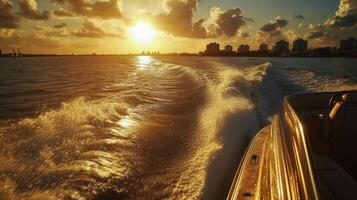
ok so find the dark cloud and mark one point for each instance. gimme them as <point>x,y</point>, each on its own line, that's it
<point>315,35</point>
<point>62,25</point>
<point>275,25</point>
<point>178,19</point>
<point>28,9</point>
<point>229,22</point>
<point>106,9</point>
<point>344,21</point>
<point>62,13</point>
<point>7,18</point>
<point>275,34</point>
<point>342,24</point>
<point>272,30</point>
<point>300,17</point>
<point>90,30</point>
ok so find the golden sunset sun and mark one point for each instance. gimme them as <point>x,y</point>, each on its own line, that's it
<point>142,32</point>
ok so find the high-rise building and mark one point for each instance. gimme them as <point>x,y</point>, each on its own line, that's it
<point>228,49</point>
<point>281,46</point>
<point>263,47</point>
<point>243,48</point>
<point>348,45</point>
<point>212,48</point>
<point>300,45</point>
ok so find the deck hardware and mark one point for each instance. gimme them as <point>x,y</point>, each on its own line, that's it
<point>254,159</point>
<point>248,194</point>
<point>321,116</point>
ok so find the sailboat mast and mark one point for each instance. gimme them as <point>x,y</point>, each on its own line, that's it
<point>13,53</point>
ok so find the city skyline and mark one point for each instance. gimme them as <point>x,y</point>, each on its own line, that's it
<point>123,26</point>
<point>298,44</point>
<point>299,47</point>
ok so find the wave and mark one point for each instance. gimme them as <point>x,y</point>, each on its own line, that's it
<point>173,128</point>
<point>225,125</point>
<point>89,149</point>
<point>44,155</point>
<point>312,81</point>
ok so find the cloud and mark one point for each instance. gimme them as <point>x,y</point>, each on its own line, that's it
<point>347,7</point>
<point>342,24</point>
<point>244,34</point>
<point>90,30</point>
<point>321,35</point>
<point>7,18</point>
<point>272,30</point>
<point>317,32</point>
<point>15,40</point>
<point>62,13</point>
<point>346,15</point>
<point>344,21</point>
<point>315,35</point>
<point>28,9</point>
<point>225,22</point>
<point>292,35</point>
<point>58,26</point>
<point>52,31</point>
<point>178,20</point>
<point>300,17</point>
<point>274,25</point>
<point>105,9</point>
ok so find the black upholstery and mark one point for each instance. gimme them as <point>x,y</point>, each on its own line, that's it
<point>344,138</point>
<point>337,137</point>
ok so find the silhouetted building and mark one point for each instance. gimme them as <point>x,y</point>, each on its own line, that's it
<point>212,48</point>
<point>281,46</point>
<point>228,49</point>
<point>243,48</point>
<point>349,44</point>
<point>263,47</point>
<point>321,51</point>
<point>300,45</point>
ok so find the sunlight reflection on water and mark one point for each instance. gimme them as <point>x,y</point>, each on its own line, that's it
<point>143,62</point>
<point>126,122</point>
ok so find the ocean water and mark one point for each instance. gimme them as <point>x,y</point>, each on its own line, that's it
<point>142,127</point>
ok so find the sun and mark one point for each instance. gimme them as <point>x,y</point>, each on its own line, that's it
<point>142,32</point>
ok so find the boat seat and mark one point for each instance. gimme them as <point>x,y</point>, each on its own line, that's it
<point>317,127</point>
<point>319,133</point>
<point>343,135</point>
<point>333,181</point>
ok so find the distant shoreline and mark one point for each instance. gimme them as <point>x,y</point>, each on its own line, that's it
<point>181,54</point>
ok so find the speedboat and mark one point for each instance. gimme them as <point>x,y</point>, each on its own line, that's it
<point>308,152</point>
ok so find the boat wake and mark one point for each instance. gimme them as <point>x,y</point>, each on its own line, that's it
<point>166,129</point>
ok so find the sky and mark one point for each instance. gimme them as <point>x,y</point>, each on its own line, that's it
<point>133,26</point>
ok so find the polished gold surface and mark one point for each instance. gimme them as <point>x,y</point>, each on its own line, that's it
<point>251,169</point>
<point>284,169</point>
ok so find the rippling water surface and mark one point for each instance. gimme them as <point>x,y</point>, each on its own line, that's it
<point>142,127</point>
